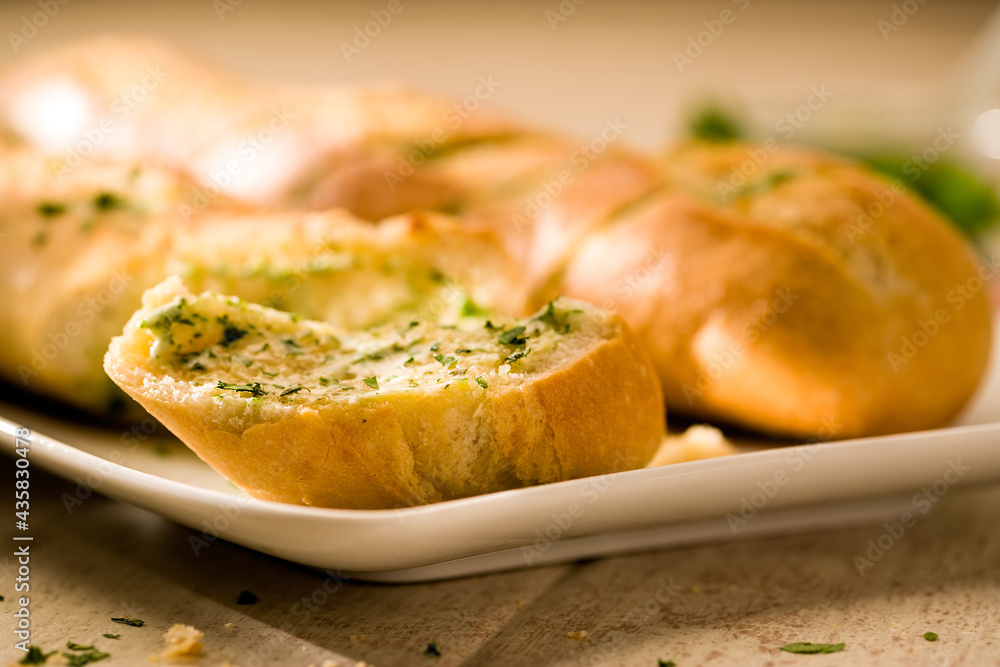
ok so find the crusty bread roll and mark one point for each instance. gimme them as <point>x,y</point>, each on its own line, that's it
<point>776,288</point>
<point>303,412</point>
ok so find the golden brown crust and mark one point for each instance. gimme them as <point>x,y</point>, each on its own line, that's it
<point>783,312</point>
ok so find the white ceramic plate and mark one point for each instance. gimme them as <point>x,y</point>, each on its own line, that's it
<point>807,487</point>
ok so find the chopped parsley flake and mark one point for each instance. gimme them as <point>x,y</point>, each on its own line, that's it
<point>110,636</point>
<point>432,650</point>
<point>371,382</point>
<point>252,387</point>
<point>435,346</point>
<point>558,321</point>
<point>107,201</point>
<point>808,647</point>
<point>512,337</point>
<point>520,354</point>
<point>51,209</point>
<point>445,361</point>
<point>292,390</point>
<point>931,636</point>
<point>134,622</point>
<point>470,309</point>
<point>232,334</point>
<point>73,646</point>
<point>80,659</point>
<point>35,656</point>
<point>481,382</point>
<point>666,663</point>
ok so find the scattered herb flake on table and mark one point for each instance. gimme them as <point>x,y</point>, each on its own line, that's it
<point>134,622</point>
<point>931,636</point>
<point>432,649</point>
<point>35,656</point>
<point>809,647</point>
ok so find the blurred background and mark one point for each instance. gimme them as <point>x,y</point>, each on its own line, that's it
<point>908,84</point>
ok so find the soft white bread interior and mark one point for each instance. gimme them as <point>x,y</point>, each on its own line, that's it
<point>301,411</point>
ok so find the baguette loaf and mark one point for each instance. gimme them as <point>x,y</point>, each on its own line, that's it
<point>78,253</point>
<point>304,412</point>
<point>696,256</point>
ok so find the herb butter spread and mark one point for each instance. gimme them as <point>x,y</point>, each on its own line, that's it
<point>246,352</point>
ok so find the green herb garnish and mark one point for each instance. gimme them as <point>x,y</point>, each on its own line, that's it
<point>712,124</point>
<point>134,622</point>
<point>808,647</point>
<point>252,387</point>
<point>666,663</point>
<point>481,382</point>
<point>81,659</point>
<point>107,201</point>
<point>558,321</point>
<point>520,354</point>
<point>470,309</point>
<point>445,361</point>
<point>435,346</point>
<point>512,337</point>
<point>432,650</point>
<point>51,209</point>
<point>232,334</point>
<point>73,646</point>
<point>291,390</point>
<point>35,656</point>
<point>931,636</point>
<point>110,636</point>
<point>371,382</point>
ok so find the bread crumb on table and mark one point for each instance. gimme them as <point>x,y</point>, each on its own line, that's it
<point>696,443</point>
<point>578,635</point>
<point>183,641</point>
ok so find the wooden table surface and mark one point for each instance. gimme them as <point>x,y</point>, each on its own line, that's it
<point>733,603</point>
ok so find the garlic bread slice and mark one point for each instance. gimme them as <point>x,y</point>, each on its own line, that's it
<point>301,411</point>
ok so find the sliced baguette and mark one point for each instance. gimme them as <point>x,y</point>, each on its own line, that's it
<point>303,412</point>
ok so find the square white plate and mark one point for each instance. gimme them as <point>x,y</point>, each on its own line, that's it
<point>780,489</point>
